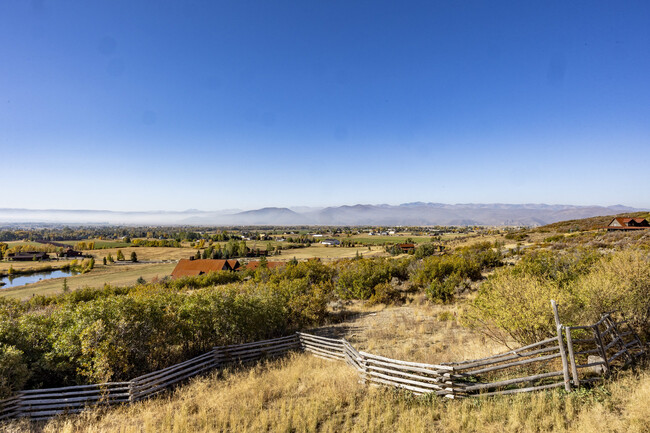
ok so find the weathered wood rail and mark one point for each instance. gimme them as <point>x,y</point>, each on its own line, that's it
<point>577,355</point>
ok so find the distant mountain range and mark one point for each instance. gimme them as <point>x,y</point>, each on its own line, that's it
<point>417,213</point>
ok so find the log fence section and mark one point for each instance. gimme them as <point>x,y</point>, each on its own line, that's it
<point>45,403</point>
<point>528,368</point>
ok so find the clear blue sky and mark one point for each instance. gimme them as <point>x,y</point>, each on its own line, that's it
<point>146,105</point>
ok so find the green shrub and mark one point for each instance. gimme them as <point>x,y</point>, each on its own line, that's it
<point>515,302</point>
<point>13,370</point>
<point>620,281</point>
<point>386,293</point>
<point>358,278</point>
<point>443,292</point>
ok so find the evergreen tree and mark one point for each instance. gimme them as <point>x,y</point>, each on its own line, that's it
<point>134,257</point>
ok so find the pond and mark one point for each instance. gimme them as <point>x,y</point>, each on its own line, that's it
<point>21,280</point>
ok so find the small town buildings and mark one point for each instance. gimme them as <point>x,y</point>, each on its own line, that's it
<point>628,224</point>
<point>196,267</point>
<point>26,256</point>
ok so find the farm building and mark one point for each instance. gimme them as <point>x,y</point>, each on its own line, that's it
<point>407,247</point>
<point>331,242</point>
<point>628,224</point>
<point>26,256</point>
<point>270,265</point>
<point>193,268</point>
<point>70,253</point>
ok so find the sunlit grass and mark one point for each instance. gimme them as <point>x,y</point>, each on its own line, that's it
<point>305,394</point>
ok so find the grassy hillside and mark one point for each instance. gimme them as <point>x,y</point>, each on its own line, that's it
<point>589,223</point>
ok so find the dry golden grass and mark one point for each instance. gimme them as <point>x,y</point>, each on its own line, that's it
<point>31,266</point>
<point>327,253</point>
<point>426,333</point>
<point>305,394</point>
<point>145,253</point>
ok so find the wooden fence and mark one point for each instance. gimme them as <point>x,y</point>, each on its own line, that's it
<point>575,356</point>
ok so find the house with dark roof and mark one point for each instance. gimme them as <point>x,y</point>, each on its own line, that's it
<point>26,256</point>
<point>628,224</point>
<point>196,267</point>
<point>407,247</point>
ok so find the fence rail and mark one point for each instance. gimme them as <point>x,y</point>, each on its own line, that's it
<point>559,361</point>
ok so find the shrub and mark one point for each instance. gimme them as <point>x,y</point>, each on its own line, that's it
<point>386,293</point>
<point>617,282</point>
<point>358,278</point>
<point>13,370</point>
<point>515,302</point>
<point>444,291</point>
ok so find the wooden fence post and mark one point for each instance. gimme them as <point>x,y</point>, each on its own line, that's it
<point>572,358</point>
<point>132,391</point>
<point>560,341</point>
<point>601,348</point>
<point>364,367</point>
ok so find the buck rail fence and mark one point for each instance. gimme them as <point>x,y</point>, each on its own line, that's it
<point>575,356</point>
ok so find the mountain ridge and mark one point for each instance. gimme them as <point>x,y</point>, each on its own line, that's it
<point>413,213</point>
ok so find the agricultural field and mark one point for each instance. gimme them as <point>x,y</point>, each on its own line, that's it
<point>328,253</point>
<point>99,243</point>
<point>116,274</point>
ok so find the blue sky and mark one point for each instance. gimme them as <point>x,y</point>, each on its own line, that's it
<point>148,105</point>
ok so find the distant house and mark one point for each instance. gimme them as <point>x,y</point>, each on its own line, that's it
<point>628,224</point>
<point>407,247</point>
<point>26,256</point>
<point>270,265</point>
<point>193,268</point>
<point>71,253</point>
<point>331,242</point>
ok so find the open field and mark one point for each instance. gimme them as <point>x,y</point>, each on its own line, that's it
<point>380,240</point>
<point>99,243</point>
<point>30,266</point>
<point>118,275</point>
<point>12,244</point>
<point>145,253</point>
<point>328,253</point>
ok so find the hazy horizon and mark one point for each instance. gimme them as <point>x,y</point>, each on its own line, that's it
<point>169,106</point>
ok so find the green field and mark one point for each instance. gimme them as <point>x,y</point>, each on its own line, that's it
<point>380,240</point>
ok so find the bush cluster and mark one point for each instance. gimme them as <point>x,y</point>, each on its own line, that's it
<point>91,336</point>
<point>514,302</point>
